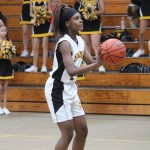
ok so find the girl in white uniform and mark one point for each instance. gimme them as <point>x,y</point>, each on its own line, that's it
<point>61,89</point>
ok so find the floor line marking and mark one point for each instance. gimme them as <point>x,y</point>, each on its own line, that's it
<point>88,139</point>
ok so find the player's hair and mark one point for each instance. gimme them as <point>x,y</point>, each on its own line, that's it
<point>62,13</point>
<point>3,18</point>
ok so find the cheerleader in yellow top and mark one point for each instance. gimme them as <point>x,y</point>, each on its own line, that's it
<point>7,51</point>
<point>40,11</point>
<point>25,21</point>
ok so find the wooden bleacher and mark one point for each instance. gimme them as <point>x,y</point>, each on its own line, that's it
<point>109,93</point>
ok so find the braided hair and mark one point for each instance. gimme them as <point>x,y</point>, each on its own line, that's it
<point>3,18</point>
<point>62,13</point>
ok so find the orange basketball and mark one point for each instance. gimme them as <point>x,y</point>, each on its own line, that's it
<point>113,51</point>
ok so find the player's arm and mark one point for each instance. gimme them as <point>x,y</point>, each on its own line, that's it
<point>102,9</point>
<point>65,49</point>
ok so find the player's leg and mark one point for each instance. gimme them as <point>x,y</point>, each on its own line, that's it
<point>81,130</point>
<point>66,129</point>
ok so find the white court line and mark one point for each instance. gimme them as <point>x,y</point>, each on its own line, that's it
<point>88,139</point>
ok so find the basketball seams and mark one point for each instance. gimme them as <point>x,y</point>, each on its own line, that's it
<point>115,53</point>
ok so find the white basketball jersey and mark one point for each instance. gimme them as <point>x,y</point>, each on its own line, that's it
<point>59,71</point>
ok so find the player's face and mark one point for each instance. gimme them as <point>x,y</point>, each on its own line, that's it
<point>76,22</point>
<point>3,31</point>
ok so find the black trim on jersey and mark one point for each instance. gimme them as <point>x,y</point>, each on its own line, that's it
<point>58,73</point>
<point>57,94</point>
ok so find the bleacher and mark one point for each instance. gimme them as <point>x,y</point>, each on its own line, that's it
<point>109,93</point>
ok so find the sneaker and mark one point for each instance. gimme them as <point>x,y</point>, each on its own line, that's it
<point>31,53</point>
<point>102,69</point>
<point>1,111</point>
<point>32,69</point>
<point>44,69</point>
<point>138,53</point>
<point>6,111</point>
<point>24,53</point>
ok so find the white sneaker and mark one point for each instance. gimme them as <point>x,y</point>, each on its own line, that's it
<point>31,53</point>
<point>24,53</point>
<point>1,111</point>
<point>102,69</point>
<point>6,111</point>
<point>32,69</point>
<point>138,53</point>
<point>44,69</point>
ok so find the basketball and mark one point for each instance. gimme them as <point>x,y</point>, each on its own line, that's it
<point>113,51</point>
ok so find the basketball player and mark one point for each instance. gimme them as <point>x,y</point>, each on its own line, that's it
<point>61,89</point>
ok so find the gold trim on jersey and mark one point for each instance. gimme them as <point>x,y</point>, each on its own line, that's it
<point>81,77</point>
<point>42,35</point>
<point>90,32</point>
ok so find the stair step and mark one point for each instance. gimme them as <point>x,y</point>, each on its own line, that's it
<point>92,79</point>
<point>126,61</point>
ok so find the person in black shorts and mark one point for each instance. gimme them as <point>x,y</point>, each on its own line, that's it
<point>144,22</point>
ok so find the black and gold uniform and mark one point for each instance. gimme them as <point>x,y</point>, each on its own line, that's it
<point>145,10</point>
<point>91,22</point>
<point>42,29</point>
<point>6,70</point>
<point>25,13</point>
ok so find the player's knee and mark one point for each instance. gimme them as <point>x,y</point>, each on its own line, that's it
<point>69,135</point>
<point>84,132</point>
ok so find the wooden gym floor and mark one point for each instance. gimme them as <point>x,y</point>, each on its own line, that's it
<point>36,131</point>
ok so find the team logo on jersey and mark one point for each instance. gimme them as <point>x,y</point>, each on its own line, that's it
<point>78,55</point>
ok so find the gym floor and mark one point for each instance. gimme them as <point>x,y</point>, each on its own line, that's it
<point>36,131</point>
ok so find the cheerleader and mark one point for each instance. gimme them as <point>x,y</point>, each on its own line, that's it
<point>7,51</point>
<point>25,21</point>
<point>144,21</point>
<point>91,11</point>
<point>40,11</point>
